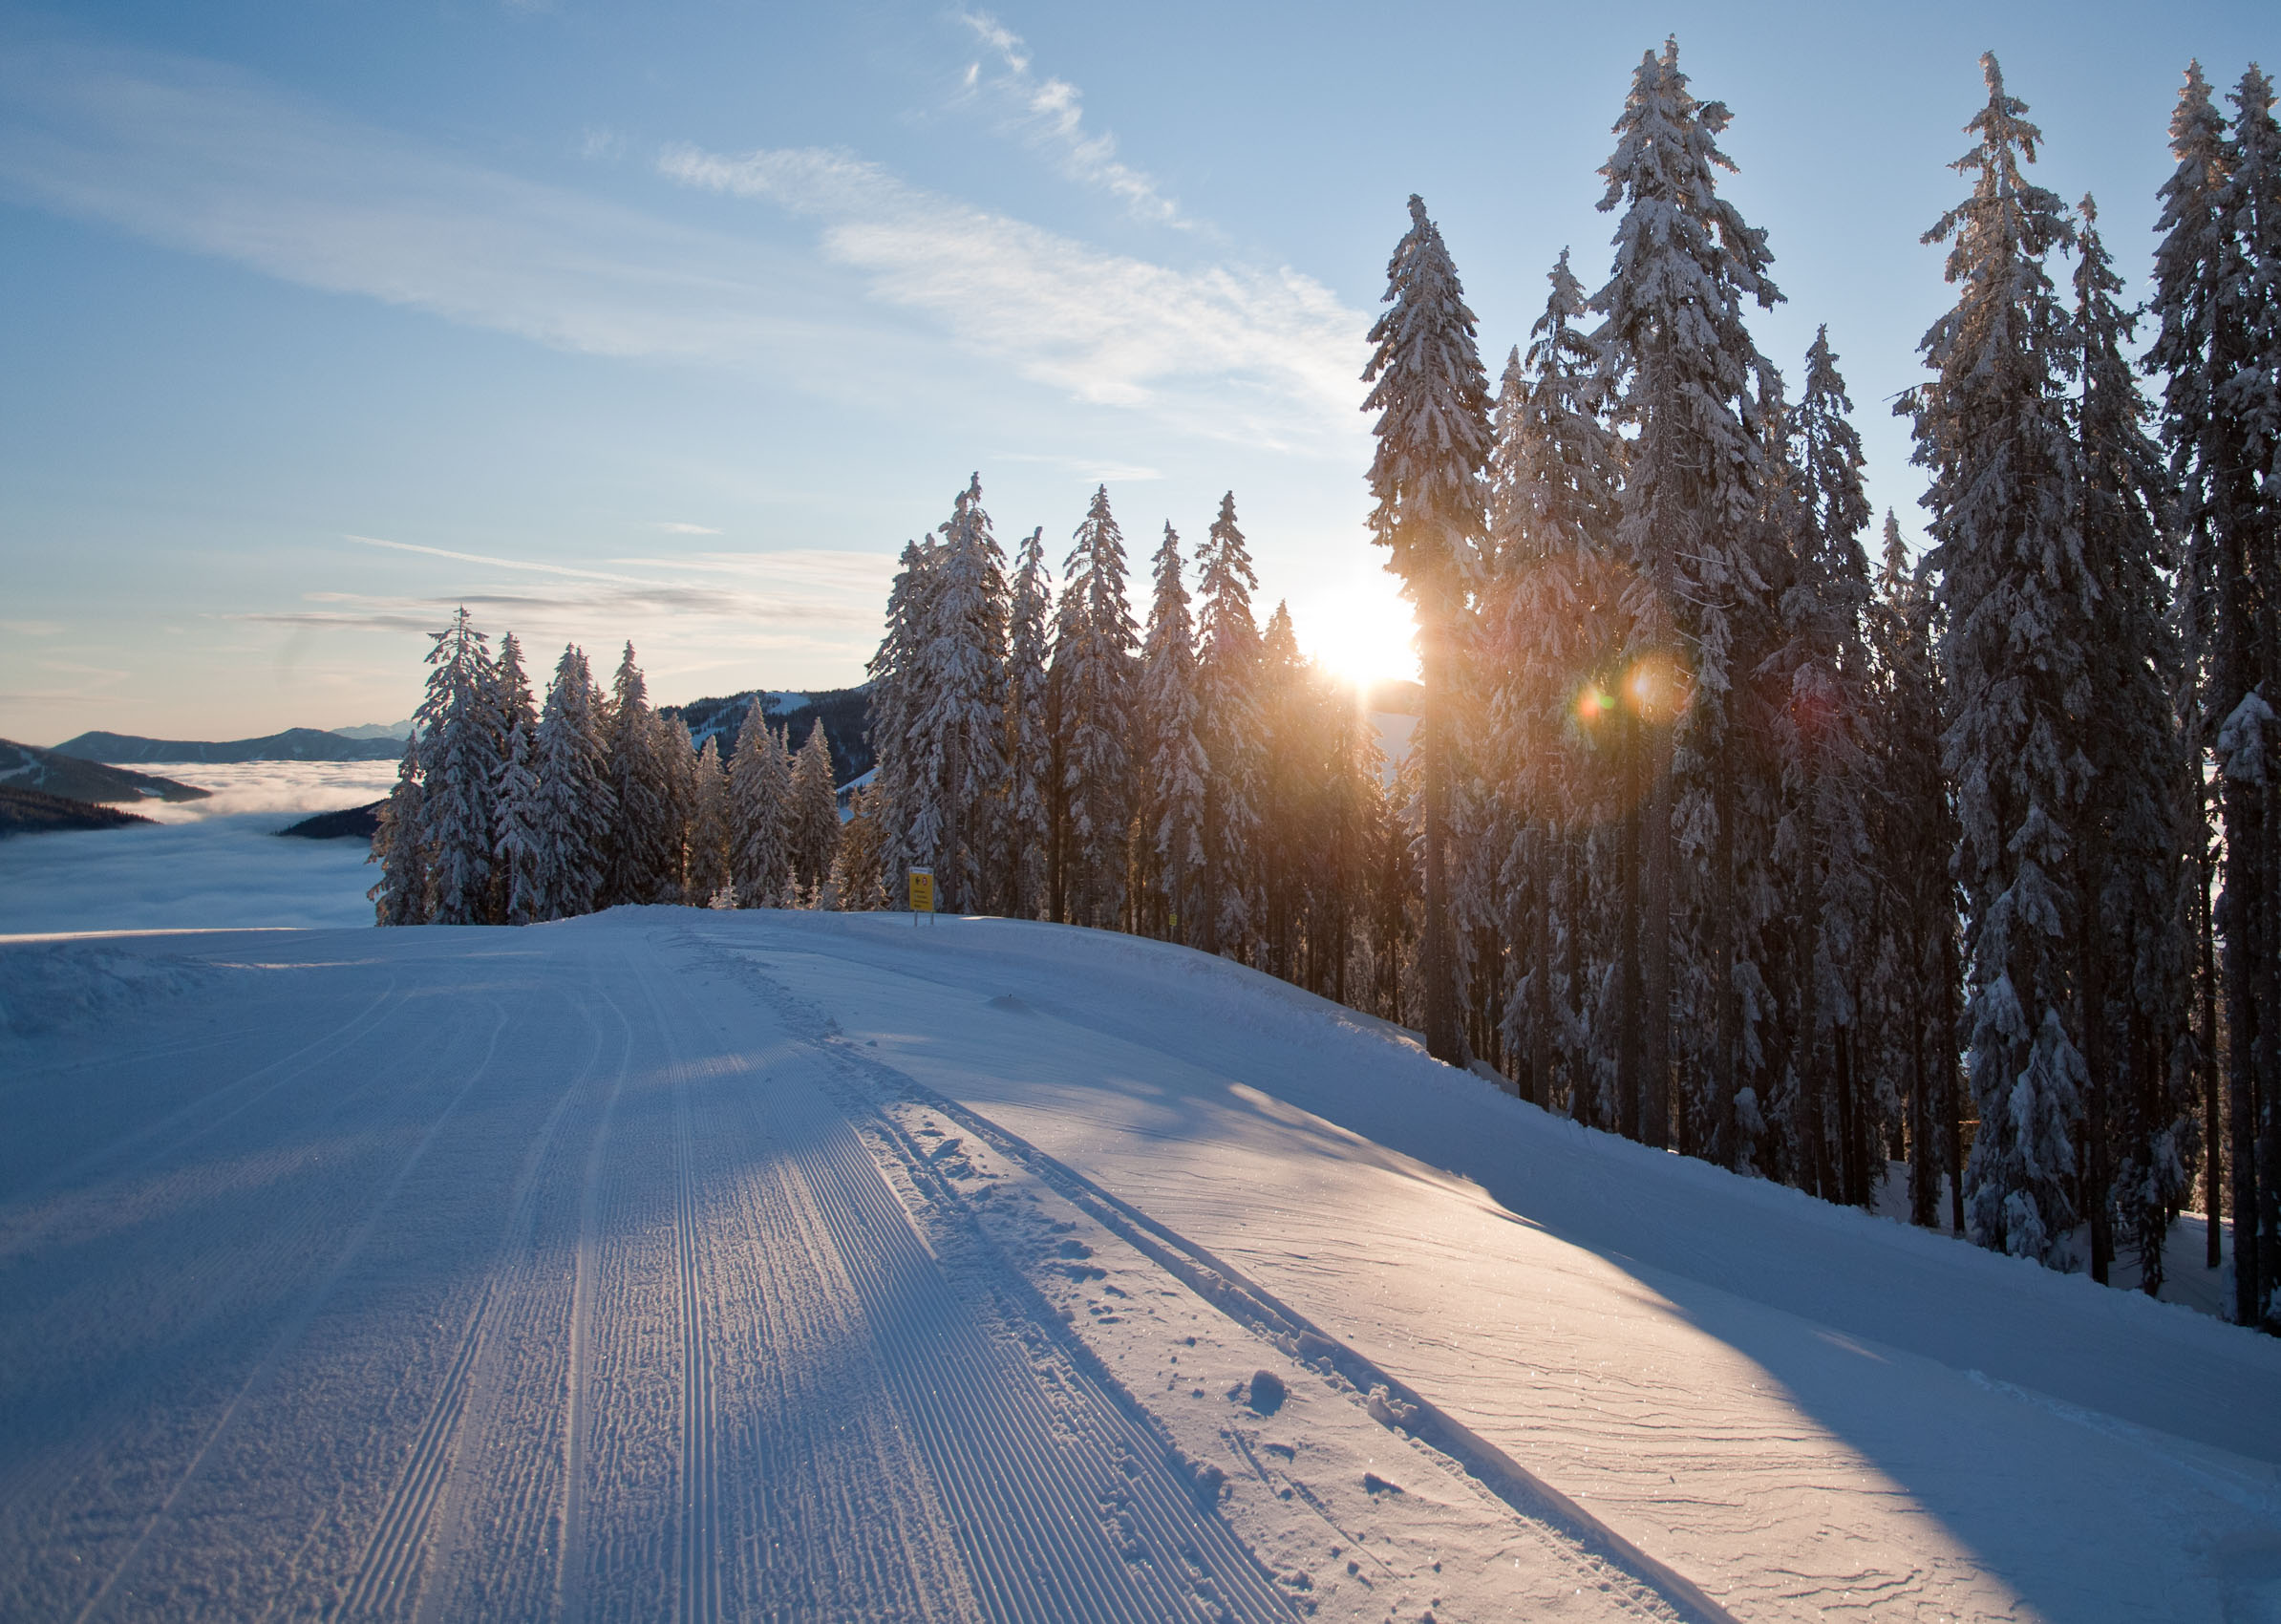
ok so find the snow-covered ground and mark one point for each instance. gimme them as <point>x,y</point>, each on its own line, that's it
<point>205,863</point>
<point>676,1264</point>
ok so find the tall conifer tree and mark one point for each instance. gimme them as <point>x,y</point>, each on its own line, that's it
<point>1991,427</point>
<point>1174,765</point>
<point>2131,867</point>
<point>1689,378</point>
<point>1092,678</point>
<point>576,809</point>
<point>1029,744</point>
<point>1228,727</point>
<point>460,743</point>
<point>1432,397</point>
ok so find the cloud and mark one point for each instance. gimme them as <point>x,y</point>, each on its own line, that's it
<point>675,527</point>
<point>212,160</point>
<point>1049,115</point>
<point>811,592</point>
<point>1267,358</point>
<point>1097,469</point>
<point>33,628</point>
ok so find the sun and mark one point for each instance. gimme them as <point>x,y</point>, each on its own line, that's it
<point>1359,631</point>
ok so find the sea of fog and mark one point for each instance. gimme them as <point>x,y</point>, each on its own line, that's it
<point>202,864</point>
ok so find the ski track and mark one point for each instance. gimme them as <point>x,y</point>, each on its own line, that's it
<point>545,1275</point>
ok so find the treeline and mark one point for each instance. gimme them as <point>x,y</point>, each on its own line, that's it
<point>1192,777</point>
<point>1717,832</point>
<point>509,812</point>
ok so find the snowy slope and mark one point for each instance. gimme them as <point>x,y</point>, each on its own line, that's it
<point>673,1263</point>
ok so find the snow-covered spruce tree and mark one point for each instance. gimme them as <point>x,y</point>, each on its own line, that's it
<point>859,878</point>
<point>2133,975</point>
<point>575,808</point>
<point>400,895</point>
<point>1173,770</point>
<point>459,725</point>
<point>760,810</point>
<point>905,791</point>
<point>1028,742</point>
<point>1553,630</point>
<point>677,753</point>
<point>1286,841</point>
<point>815,822</point>
<point>2250,396</point>
<point>641,857</point>
<point>516,796</point>
<point>1227,725</point>
<point>2202,343</point>
<point>1092,682</point>
<point>1686,376</point>
<point>709,869</point>
<point>1911,999</point>
<point>1991,426</point>
<point>955,695</point>
<point>1822,847</point>
<point>1432,397</point>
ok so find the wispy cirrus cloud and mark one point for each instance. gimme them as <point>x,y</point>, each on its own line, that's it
<point>682,527</point>
<point>213,161</point>
<point>1048,114</point>
<point>805,598</point>
<point>1266,357</point>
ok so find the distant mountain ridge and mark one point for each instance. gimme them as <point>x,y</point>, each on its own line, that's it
<point>27,766</point>
<point>35,811</point>
<point>845,712</point>
<point>294,744</point>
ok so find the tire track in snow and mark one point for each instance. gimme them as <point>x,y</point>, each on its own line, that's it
<point>387,1578</point>
<point>291,1331</point>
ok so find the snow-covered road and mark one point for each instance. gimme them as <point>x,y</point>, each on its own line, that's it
<point>676,1265</point>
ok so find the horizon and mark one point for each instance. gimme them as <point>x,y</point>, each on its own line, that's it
<point>675,329</point>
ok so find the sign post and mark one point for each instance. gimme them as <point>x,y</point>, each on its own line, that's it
<point>921,894</point>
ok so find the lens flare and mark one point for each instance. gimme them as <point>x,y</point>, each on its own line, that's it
<point>1659,688</point>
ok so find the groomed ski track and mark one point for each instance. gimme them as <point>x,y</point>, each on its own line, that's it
<point>672,1265</point>
<point>517,1292</point>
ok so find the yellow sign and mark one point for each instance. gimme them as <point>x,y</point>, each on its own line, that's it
<point>922,890</point>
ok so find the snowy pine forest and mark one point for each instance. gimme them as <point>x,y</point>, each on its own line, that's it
<point>1731,825</point>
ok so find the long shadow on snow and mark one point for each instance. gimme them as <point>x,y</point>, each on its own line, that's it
<point>1707,1241</point>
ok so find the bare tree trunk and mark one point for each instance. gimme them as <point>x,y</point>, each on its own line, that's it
<point>1806,1064</point>
<point>1924,1160</point>
<point>1656,949</point>
<point>1441,1018</point>
<point>2213,1127</point>
<point>1951,1079</point>
<point>1723,1060</point>
<point>1630,943</point>
<point>2098,1062</point>
<point>1540,977</point>
<point>2242,943</point>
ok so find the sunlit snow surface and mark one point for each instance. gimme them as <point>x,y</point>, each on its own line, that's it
<point>207,864</point>
<point>676,1264</point>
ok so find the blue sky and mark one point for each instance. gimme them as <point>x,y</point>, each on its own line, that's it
<point>675,322</point>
